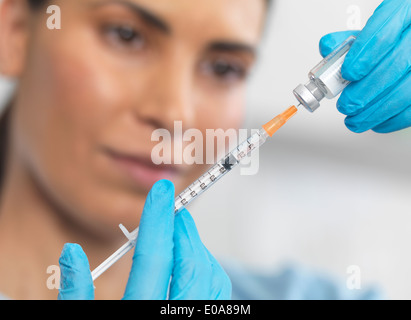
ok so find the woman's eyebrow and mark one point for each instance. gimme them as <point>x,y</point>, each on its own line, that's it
<point>149,17</point>
<point>228,46</point>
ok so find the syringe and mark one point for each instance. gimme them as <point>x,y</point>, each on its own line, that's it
<point>205,181</point>
<point>325,82</point>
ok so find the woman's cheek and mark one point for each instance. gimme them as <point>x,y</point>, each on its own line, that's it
<point>70,99</point>
<point>224,110</point>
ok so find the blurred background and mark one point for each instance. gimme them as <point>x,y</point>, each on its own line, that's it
<point>324,197</point>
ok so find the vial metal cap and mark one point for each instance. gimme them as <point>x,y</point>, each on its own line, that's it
<point>309,95</point>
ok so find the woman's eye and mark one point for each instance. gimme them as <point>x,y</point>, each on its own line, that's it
<point>225,70</point>
<point>124,36</point>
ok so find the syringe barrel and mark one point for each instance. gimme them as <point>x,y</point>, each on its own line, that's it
<point>325,78</point>
<point>220,169</point>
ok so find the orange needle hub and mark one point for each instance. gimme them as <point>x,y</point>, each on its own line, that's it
<point>275,124</point>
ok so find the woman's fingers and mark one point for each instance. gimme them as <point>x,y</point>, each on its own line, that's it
<point>153,255</point>
<point>167,246</point>
<point>384,108</point>
<point>221,288</point>
<point>75,282</point>
<point>381,81</point>
<point>380,35</point>
<point>331,41</point>
<point>196,274</point>
<point>399,122</point>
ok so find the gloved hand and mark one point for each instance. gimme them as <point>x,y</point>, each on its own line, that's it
<point>378,64</point>
<point>167,246</point>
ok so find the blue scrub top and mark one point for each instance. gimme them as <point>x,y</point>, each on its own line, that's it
<point>292,282</point>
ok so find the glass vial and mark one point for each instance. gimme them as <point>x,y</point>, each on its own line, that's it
<point>325,78</point>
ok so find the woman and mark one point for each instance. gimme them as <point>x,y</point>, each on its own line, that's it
<point>88,99</point>
<point>77,159</point>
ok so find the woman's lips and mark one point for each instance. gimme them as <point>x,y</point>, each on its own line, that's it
<point>141,169</point>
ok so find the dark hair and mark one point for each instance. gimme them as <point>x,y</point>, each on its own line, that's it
<point>36,4</point>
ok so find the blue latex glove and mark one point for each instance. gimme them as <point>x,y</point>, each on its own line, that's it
<point>167,246</point>
<point>378,64</point>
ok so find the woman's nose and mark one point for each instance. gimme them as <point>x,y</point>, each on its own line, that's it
<point>168,97</point>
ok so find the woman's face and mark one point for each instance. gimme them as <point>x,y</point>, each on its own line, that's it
<point>91,94</point>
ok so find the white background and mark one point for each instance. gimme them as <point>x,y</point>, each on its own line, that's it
<point>323,197</point>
